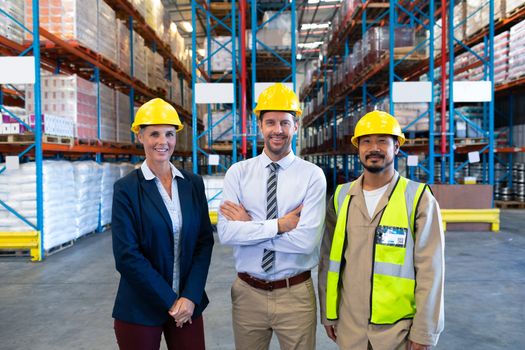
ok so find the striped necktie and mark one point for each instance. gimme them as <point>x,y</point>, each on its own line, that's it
<point>271,213</point>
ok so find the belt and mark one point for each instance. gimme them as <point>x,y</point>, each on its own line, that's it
<point>271,285</point>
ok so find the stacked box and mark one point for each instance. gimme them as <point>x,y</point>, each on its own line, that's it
<point>175,93</point>
<point>88,178</point>
<point>176,42</point>
<point>71,20</point>
<point>222,56</point>
<point>517,51</point>
<point>187,96</point>
<point>8,28</point>
<point>107,31</point>
<point>139,58</point>
<point>501,57</point>
<point>155,69</point>
<point>140,6</point>
<point>223,130</point>
<point>123,47</point>
<point>460,12</point>
<point>512,5</point>
<point>110,174</point>
<point>155,15</point>
<point>123,117</point>
<point>108,115</point>
<point>54,125</point>
<point>70,97</point>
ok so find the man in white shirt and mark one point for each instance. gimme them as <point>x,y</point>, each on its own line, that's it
<point>272,215</point>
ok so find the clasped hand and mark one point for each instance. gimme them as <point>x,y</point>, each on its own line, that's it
<point>181,311</point>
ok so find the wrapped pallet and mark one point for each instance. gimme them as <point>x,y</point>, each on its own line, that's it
<point>107,31</point>
<point>108,115</point>
<point>123,47</point>
<point>123,117</point>
<point>517,51</point>
<point>110,174</point>
<point>72,20</point>
<point>139,59</point>
<point>18,190</point>
<point>88,177</point>
<point>221,60</point>
<point>9,29</point>
<point>70,97</point>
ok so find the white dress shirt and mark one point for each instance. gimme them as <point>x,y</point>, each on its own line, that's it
<point>173,206</point>
<point>298,182</point>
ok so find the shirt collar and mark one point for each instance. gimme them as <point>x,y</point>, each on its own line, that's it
<point>283,163</point>
<point>148,174</point>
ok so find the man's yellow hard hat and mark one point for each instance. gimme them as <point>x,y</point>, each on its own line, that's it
<point>278,97</point>
<point>377,122</point>
<point>155,112</point>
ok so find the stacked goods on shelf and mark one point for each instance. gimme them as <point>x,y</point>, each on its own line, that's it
<point>223,130</point>
<point>108,115</point>
<point>221,49</point>
<point>517,51</point>
<point>155,70</point>
<point>501,57</point>
<point>9,124</point>
<point>123,117</point>
<point>176,42</point>
<point>54,125</point>
<point>277,33</point>
<point>88,176</point>
<point>512,5</point>
<point>519,140</point>
<point>214,185</point>
<point>477,14</point>
<point>110,174</point>
<point>139,58</point>
<point>126,168</point>
<point>342,17</point>
<point>460,12</point>
<point>70,97</point>
<point>155,16</point>
<point>8,28</point>
<point>184,139</point>
<point>18,190</point>
<point>475,116</point>
<point>123,60</point>
<point>71,20</point>
<point>186,95</point>
<point>175,92</point>
<point>107,32</point>
<point>140,6</point>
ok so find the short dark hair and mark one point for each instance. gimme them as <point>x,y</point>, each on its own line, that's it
<point>294,115</point>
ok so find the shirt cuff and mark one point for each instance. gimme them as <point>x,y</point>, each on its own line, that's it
<point>423,338</point>
<point>271,228</point>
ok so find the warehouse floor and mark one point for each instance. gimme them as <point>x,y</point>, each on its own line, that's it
<point>65,302</point>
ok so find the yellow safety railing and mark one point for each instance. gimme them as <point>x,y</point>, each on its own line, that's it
<point>22,240</point>
<point>490,216</point>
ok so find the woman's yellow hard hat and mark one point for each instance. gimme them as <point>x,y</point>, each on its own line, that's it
<point>156,112</point>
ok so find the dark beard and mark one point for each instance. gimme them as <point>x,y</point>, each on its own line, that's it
<point>378,168</point>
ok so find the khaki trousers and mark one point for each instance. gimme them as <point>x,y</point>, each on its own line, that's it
<point>289,312</point>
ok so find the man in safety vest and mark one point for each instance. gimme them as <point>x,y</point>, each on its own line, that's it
<point>381,274</point>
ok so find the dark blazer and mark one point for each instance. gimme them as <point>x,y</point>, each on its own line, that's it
<point>143,248</point>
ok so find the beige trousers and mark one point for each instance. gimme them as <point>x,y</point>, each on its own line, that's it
<point>289,312</point>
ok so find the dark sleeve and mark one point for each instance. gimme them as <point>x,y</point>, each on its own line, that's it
<point>129,260</point>
<point>194,288</point>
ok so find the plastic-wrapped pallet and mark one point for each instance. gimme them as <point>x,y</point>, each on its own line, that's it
<point>501,57</point>
<point>511,6</point>
<point>88,178</point>
<point>8,28</point>
<point>70,97</point>
<point>125,168</point>
<point>214,186</point>
<point>123,46</point>
<point>176,42</point>
<point>108,115</point>
<point>517,51</point>
<point>107,31</point>
<point>110,174</point>
<point>140,6</point>
<point>139,58</point>
<point>223,130</point>
<point>155,69</point>
<point>154,14</point>
<point>54,125</point>
<point>71,20</point>
<point>123,117</point>
<point>221,60</point>
<point>18,190</point>
<point>460,12</point>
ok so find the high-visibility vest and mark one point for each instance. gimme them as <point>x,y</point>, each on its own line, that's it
<point>393,275</point>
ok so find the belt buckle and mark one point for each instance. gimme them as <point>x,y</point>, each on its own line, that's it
<point>270,286</point>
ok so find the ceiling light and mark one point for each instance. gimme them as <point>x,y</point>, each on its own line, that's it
<point>308,26</point>
<point>312,45</point>
<point>186,26</point>
<point>299,56</point>
<point>173,26</point>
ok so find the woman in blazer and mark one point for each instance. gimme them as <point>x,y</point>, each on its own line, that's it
<point>162,242</point>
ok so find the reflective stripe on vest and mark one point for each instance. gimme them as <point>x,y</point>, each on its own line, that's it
<point>393,280</point>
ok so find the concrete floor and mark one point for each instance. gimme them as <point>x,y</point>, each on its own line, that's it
<point>66,301</point>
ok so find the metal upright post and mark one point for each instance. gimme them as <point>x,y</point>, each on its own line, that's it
<point>451,112</point>
<point>194,140</point>
<point>132,74</point>
<point>491,103</point>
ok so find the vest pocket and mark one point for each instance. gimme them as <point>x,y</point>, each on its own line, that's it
<point>389,254</point>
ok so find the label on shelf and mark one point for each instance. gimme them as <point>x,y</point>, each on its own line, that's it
<point>17,70</point>
<point>411,91</point>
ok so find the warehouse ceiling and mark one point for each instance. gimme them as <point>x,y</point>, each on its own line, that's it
<point>314,18</point>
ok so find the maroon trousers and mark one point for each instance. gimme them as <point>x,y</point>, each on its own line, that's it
<point>138,337</point>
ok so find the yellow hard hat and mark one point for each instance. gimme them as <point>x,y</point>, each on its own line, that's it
<point>278,97</point>
<point>155,112</point>
<point>377,122</point>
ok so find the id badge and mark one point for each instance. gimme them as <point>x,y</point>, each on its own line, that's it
<point>391,236</point>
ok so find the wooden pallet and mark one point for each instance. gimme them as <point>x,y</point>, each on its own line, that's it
<point>509,204</point>
<point>14,253</point>
<point>59,247</point>
<point>58,140</point>
<point>401,52</point>
<point>19,139</point>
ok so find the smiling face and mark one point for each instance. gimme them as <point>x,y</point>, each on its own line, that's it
<point>377,152</point>
<point>159,142</point>
<point>278,129</point>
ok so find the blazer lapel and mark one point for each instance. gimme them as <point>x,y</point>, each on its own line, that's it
<point>151,190</point>
<point>185,189</point>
